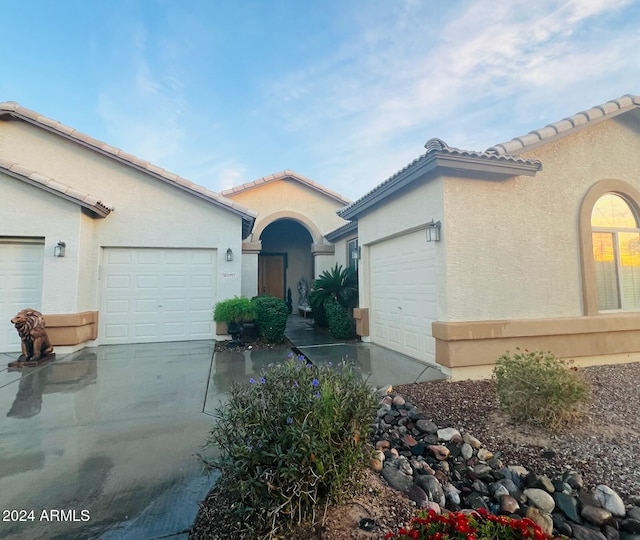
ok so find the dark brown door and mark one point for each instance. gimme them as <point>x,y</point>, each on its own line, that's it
<point>271,274</point>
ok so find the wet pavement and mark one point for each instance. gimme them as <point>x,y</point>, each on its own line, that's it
<point>102,443</point>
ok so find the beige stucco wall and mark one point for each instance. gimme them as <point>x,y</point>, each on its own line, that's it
<point>147,213</point>
<point>29,212</point>
<point>406,212</point>
<point>513,246</point>
<point>341,255</point>
<point>289,198</point>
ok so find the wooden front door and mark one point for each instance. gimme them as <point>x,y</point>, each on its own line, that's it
<point>271,269</point>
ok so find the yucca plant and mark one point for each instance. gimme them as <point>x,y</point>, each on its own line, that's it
<point>339,284</point>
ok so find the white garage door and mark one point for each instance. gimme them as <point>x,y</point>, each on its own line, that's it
<point>151,295</point>
<point>20,285</point>
<point>403,295</point>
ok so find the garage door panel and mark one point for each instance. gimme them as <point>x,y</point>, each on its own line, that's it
<point>403,295</point>
<point>21,268</point>
<point>170,294</point>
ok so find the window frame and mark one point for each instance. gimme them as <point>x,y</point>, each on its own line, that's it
<point>631,195</point>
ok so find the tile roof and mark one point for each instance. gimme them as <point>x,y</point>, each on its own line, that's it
<point>15,110</point>
<point>342,231</point>
<point>580,120</point>
<point>287,173</point>
<point>94,205</point>
<point>440,154</point>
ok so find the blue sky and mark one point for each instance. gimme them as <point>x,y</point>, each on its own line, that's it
<point>345,92</point>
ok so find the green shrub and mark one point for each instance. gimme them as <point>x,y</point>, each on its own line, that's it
<point>340,325</point>
<point>271,317</point>
<point>539,388</point>
<point>290,443</point>
<point>338,284</point>
<point>237,309</point>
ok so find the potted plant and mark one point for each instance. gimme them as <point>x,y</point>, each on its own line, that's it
<point>234,312</point>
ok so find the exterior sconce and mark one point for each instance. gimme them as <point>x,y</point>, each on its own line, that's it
<point>433,231</point>
<point>228,255</point>
<point>356,254</point>
<point>59,249</point>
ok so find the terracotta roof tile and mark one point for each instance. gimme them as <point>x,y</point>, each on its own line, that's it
<point>579,120</point>
<point>51,185</point>
<point>14,109</point>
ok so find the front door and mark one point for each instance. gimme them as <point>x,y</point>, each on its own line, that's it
<point>271,268</point>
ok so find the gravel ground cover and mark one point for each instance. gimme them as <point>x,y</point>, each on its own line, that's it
<point>604,447</point>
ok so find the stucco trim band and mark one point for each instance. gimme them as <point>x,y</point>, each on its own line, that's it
<point>466,344</point>
<point>72,328</point>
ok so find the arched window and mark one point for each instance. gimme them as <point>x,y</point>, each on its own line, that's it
<point>616,253</point>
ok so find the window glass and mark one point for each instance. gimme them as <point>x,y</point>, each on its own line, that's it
<point>612,211</point>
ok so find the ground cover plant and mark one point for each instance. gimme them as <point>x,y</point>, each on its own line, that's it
<point>539,388</point>
<point>291,443</point>
<point>478,525</point>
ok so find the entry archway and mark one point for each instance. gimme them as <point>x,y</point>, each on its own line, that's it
<point>285,258</point>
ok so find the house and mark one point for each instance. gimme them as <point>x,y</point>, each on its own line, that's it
<point>111,248</point>
<point>532,243</point>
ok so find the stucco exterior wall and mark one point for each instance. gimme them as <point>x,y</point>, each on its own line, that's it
<point>513,246</point>
<point>147,213</point>
<point>290,198</point>
<point>29,212</point>
<point>406,212</point>
<point>341,255</point>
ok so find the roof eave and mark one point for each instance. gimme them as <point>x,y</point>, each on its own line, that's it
<point>500,168</point>
<point>342,231</point>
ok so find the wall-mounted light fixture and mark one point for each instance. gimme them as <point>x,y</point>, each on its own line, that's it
<point>229,255</point>
<point>433,231</point>
<point>59,249</point>
<point>356,254</point>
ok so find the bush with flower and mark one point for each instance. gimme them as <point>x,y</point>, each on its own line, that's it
<point>291,441</point>
<point>474,525</point>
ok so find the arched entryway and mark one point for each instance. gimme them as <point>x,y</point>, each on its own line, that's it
<point>284,259</point>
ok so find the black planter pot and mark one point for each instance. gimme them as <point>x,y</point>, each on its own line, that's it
<point>235,329</point>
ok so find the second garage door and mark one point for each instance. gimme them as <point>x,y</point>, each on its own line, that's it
<point>403,295</point>
<point>155,295</point>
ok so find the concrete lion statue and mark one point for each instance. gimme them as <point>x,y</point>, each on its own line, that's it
<point>35,342</point>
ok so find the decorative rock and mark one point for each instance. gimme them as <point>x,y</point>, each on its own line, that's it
<point>417,495</point>
<point>383,445</point>
<point>610,533</point>
<point>409,440</point>
<point>588,499</point>
<point>432,488</point>
<point>475,501</point>
<point>595,515</point>
<point>610,500</point>
<point>629,536</point>
<point>466,451</point>
<point>471,441</point>
<point>568,505</point>
<point>379,454</point>
<point>543,519</point>
<point>483,471</point>
<point>540,499</point>
<point>447,434</point>
<point>519,470</point>
<point>631,525</point>
<point>545,483</point>
<point>394,453</point>
<point>508,505</point>
<point>574,479</point>
<point>398,401</point>
<point>634,513</point>
<point>396,479</point>
<point>375,465</point>
<point>561,525</point>
<point>511,487</point>
<point>418,449</point>
<point>426,426</point>
<point>498,491</point>
<point>484,454</point>
<point>480,487</point>
<point>440,452</point>
<point>451,493</point>
<point>434,506</point>
<point>583,533</point>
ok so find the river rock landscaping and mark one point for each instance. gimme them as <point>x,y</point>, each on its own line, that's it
<point>441,442</point>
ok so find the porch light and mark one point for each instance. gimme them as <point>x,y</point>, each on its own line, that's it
<point>356,254</point>
<point>433,231</point>
<point>229,255</point>
<point>59,249</point>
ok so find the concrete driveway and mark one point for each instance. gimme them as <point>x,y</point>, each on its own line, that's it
<point>108,436</point>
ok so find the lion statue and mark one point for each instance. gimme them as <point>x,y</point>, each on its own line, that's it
<point>35,342</point>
